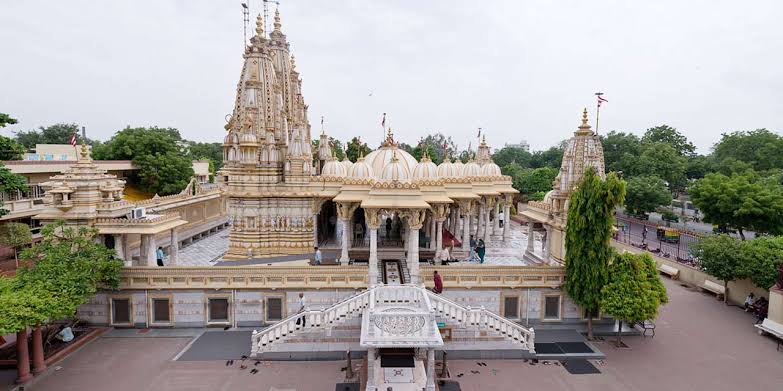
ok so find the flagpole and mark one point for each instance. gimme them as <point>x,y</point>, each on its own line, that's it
<point>597,109</point>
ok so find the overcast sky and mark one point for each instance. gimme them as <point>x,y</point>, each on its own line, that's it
<point>518,69</point>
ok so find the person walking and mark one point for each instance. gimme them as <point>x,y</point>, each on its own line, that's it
<point>318,256</point>
<point>159,255</point>
<point>481,250</point>
<point>501,216</point>
<point>302,309</point>
<point>472,245</point>
<point>438,288</point>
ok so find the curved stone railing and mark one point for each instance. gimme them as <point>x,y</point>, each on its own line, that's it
<point>482,318</point>
<point>353,306</point>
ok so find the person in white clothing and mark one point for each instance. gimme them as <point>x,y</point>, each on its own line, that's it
<point>500,219</point>
<point>302,308</point>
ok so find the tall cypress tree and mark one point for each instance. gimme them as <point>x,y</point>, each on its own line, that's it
<point>588,232</point>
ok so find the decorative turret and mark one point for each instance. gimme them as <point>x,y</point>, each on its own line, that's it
<point>484,156</point>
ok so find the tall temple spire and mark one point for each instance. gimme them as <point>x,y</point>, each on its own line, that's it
<point>260,26</point>
<point>277,20</point>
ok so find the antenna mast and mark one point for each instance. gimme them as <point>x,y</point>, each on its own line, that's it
<point>245,20</point>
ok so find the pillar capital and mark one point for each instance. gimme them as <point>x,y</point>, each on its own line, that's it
<point>372,218</point>
<point>415,217</point>
<point>440,211</point>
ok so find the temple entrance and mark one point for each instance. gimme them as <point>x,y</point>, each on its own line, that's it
<point>328,227</point>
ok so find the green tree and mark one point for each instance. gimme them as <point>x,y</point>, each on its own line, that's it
<point>6,119</point>
<point>760,148</point>
<point>419,150</point>
<point>663,161</point>
<point>720,256</point>
<point>356,148</point>
<point>508,155</point>
<point>741,201</point>
<point>634,291</point>
<point>645,193</point>
<point>9,182</point>
<point>15,235</point>
<point>54,134</point>
<point>535,182</point>
<point>668,135</point>
<point>64,270</point>
<point>207,151</point>
<point>696,167</point>
<point>438,146</point>
<point>761,258</point>
<point>164,164</point>
<point>621,150</point>
<point>588,232</point>
<point>551,157</point>
<point>10,149</point>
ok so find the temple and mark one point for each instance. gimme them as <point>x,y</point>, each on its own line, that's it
<point>382,222</point>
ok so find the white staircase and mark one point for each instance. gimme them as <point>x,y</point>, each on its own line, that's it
<point>399,297</point>
<point>482,319</point>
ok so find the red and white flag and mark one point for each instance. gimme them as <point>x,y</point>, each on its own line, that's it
<point>73,139</point>
<point>601,100</point>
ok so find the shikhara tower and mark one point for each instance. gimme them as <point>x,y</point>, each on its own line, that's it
<point>267,153</point>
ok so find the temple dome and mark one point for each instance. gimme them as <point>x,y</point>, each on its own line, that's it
<point>447,170</point>
<point>230,138</point>
<point>396,170</point>
<point>333,168</point>
<point>248,138</point>
<point>425,169</point>
<point>360,170</point>
<point>346,163</point>
<point>381,157</point>
<point>491,169</point>
<point>471,169</point>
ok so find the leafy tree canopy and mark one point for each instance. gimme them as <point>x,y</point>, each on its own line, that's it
<point>634,291</point>
<point>741,201</point>
<point>10,149</point>
<point>621,150</point>
<point>761,258</point>
<point>534,182</point>
<point>165,167</point>
<point>662,160</point>
<point>588,232</point>
<point>516,155</point>
<point>10,182</point>
<point>551,157</point>
<point>671,136</point>
<point>760,148</point>
<point>356,148</point>
<point>645,193</point>
<point>720,256</point>
<point>54,134</point>
<point>6,119</point>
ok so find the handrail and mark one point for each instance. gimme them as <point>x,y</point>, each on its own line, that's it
<point>313,319</point>
<point>483,317</point>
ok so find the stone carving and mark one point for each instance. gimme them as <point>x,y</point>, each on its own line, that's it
<point>401,324</point>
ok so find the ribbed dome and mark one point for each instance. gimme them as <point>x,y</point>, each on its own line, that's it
<point>490,169</point>
<point>471,169</point>
<point>248,138</point>
<point>360,170</point>
<point>447,170</point>
<point>333,168</point>
<point>346,163</point>
<point>425,169</point>
<point>458,167</point>
<point>395,171</point>
<point>379,158</point>
<point>230,138</point>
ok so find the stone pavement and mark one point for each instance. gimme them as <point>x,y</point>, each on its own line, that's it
<point>205,252</point>
<point>700,344</point>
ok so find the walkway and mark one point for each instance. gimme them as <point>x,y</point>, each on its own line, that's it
<point>700,344</point>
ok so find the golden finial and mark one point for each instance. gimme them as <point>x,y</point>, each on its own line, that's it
<point>277,20</point>
<point>584,117</point>
<point>394,155</point>
<point>85,153</point>
<point>390,136</point>
<point>260,25</point>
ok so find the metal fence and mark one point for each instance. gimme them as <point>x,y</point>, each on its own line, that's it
<point>644,235</point>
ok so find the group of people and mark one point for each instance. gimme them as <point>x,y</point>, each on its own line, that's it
<point>477,249</point>
<point>758,306</point>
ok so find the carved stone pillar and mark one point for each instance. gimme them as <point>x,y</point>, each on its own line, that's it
<point>479,219</point>
<point>544,244</point>
<point>415,218</point>
<point>174,248</point>
<point>496,222</point>
<point>439,236</point>
<point>430,369</point>
<point>372,219</point>
<point>487,225</point>
<point>371,386</point>
<point>465,207</point>
<point>506,221</point>
<point>343,213</point>
<point>119,247</point>
<point>144,244</point>
<point>128,253</point>
<point>315,230</point>
<point>152,247</point>
<point>531,242</point>
<point>432,230</point>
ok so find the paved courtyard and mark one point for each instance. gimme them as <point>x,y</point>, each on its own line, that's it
<point>700,344</point>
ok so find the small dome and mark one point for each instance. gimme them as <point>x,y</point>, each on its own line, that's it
<point>471,169</point>
<point>447,170</point>
<point>248,138</point>
<point>346,163</point>
<point>491,169</point>
<point>333,168</point>
<point>360,170</point>
<point>395,171</point>
<point>425,169</point>
<point>230,138</point>
<point>380,158</point>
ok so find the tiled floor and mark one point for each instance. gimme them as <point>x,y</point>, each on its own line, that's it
<point>206,251</point>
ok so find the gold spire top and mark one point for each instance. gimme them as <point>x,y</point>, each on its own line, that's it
<point>584,128</point>
<point>85,153</point>
<point>277,20</point>
<point>260,25</point>
<point>390,136</point>
<point>394,156</point>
